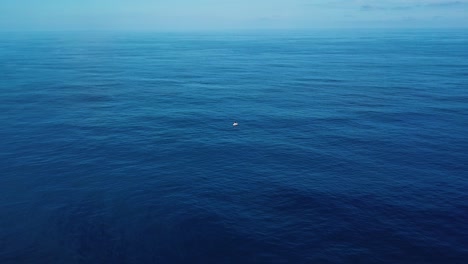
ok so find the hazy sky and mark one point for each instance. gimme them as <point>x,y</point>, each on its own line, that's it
<point>228,14</point>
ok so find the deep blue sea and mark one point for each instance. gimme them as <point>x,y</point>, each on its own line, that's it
<point>119,147</point>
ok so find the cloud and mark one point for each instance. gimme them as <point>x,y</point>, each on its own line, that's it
<point>448,4</point>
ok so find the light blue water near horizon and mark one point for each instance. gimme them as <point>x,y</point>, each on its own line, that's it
<point>119,147</point>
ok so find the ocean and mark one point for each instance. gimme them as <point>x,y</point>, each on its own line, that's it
<point>119,147</point>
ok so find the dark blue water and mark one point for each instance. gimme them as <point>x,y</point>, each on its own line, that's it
<point>352,147</point>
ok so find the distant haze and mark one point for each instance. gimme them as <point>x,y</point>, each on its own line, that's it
<point>163,15</point>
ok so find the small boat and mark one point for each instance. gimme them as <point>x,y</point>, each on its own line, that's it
<point>235,124</point>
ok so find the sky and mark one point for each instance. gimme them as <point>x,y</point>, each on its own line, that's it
<point>167,15</point>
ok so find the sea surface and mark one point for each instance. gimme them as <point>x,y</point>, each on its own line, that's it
<point>118,147</point>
